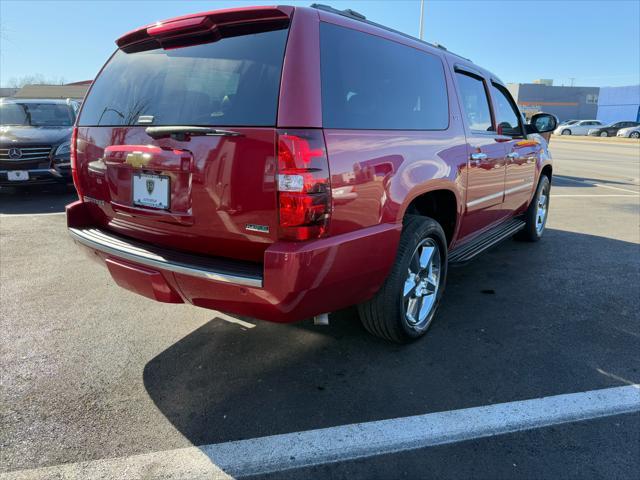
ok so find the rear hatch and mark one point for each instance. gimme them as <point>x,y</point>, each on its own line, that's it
<point>176,141</point>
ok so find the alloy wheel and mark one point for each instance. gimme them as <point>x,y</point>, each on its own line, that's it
<point>422,284</point>
<point>542,210</point>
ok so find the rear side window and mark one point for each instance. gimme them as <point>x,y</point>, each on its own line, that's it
<point>234,81</point>
<point>475,103</point>
<point>372,83</point>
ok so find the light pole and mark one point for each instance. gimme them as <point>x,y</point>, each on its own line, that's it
<point>421,18</point>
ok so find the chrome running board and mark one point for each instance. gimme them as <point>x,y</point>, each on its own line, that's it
<point>486,240</point>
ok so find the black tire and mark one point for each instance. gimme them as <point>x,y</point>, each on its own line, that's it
<point>384,315</point>
<point>634,135</point>
<point>531,232</point>
<point>604,134</point>
<point>566,131</point>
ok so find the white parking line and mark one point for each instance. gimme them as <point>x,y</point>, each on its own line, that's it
<point>329,445</point>
<point>606,195</point>
<point>593,184</point>
<point>230,319</point>
<point>8,215</point>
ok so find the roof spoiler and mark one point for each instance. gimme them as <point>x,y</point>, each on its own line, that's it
<point>200,28</point>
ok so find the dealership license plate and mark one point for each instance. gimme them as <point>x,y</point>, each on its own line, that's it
<point>151,190</point>
<point>18,175</point>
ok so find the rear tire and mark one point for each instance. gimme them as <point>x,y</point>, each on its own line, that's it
<point>604,134</point>
<point>634,135</point>
<point>537,213</point>
<point>404,307</point>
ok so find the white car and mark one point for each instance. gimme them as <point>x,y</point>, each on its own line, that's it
<point>630,132</point>
<point>579,128</point>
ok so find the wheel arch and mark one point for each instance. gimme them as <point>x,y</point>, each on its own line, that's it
<point>441,204</point>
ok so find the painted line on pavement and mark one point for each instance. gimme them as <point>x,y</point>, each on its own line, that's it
<point>230,319</point>
<point>593,184</point>
<point>554,195</point>
<point>336,444</point>
<point>8,215</point>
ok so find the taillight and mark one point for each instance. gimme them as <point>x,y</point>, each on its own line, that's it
<point>304,193</point>
<point>74,162</point>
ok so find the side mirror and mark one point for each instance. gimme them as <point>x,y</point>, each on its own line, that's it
<point>544,122</point>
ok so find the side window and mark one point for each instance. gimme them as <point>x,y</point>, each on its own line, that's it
<point>507,118</point>
<point>372,83</point>
<point>475,103</point>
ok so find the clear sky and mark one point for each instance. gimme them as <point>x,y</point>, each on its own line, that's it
<point>595,42</point>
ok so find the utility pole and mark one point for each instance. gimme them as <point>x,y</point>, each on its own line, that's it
<point>572,79</point>
<point>421,19</point>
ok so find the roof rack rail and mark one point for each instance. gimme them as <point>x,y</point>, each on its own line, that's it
<point>358,16</point>
<point>345,13</point>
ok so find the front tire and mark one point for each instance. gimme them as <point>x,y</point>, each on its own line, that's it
<point>404,307</point>
<point>566,131</point>
<point>537,213</point>
<point>634,135</point>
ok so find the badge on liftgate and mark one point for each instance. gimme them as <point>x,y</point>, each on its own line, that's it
<point>150,185</point>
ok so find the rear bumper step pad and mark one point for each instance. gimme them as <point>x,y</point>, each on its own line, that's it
<point>221,270</point>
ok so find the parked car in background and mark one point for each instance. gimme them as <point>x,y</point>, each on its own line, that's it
<point>252,181</point>
<point>611,130</point>
<point>581,127</point>
<point>629,132</point>
<point>568,122</point>
<point>35,137</point>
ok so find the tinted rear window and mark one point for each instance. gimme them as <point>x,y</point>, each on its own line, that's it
<point>234,81</point>
<point>372,83</point>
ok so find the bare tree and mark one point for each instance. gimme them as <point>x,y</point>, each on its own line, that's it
<point>35,79</point>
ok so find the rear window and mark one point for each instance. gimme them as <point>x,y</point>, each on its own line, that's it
<point>234,81</point>
<point>372,83</point>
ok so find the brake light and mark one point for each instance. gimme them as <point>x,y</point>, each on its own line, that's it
<point>304,194</point>
<point>73,156</point>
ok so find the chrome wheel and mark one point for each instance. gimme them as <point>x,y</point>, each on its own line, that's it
<point>422,283</point>
<point>543,209</point>
<point>604,134</point>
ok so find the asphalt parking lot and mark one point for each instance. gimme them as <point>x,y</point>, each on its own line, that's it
<point>91,372</point>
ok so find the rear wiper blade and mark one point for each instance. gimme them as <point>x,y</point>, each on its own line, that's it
<point>182,132</point>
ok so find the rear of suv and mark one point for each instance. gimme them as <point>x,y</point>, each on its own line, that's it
<point>283,163</point>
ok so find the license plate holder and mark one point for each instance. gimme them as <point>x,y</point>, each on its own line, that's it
<point>17,175</point>
<point>151,191</point>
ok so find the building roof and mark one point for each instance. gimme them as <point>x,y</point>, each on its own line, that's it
<point>35,100</point>
<point>52,91</point>
<point>8,92</point>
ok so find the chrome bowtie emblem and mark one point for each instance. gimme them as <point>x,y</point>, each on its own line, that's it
<point>150,185</point>
<point>15,153</point>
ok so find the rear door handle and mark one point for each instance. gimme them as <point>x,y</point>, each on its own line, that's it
<point>477,158</point>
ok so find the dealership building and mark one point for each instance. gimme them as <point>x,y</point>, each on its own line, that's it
<point>566,103</point>
<point>619,103</point>
<point>607,104</point>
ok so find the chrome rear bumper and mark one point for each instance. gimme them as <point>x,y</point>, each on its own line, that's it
<point>221,270</point>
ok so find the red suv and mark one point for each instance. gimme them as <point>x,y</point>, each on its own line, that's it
<point>283,163</point>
